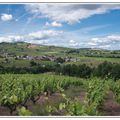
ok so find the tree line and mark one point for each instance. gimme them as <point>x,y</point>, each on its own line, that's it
<point>103,70</point>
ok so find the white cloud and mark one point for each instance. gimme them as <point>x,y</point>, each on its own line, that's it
<point>45,34</point>
<point>109,42</point>
<point>39,37</point>
<point>60,38</point>
<point>113,38</point>
<point>38,41</point>
<point>53,24</point>
<point>6,17</point>
<point>73,43</point>
<point>92,44</point>
<point>70,13</point>
<point>11,38</point>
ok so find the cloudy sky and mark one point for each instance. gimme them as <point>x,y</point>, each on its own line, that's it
<point>67,25</point>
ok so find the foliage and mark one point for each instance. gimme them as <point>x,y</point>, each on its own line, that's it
<point>115,87</point>
<point>108,70</point>
<point>17,89</point>
<point>96,92</point>
<point>24,112</point>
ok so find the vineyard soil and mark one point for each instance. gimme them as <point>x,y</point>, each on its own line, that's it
<point>111,107</point>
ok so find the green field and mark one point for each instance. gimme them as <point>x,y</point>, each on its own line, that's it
<point>94,61</point>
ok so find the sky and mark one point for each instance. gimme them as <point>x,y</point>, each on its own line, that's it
<point>62,24</point>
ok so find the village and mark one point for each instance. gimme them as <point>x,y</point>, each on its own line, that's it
<point>48,58</point>
<point>41,58</point>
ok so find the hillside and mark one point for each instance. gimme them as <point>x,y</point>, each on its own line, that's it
<point>22,48</point>
<point>20,54</point>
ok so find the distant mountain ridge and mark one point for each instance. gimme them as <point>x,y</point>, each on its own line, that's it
<point>31,45</point>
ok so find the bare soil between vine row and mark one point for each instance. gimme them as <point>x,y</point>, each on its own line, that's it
<point>109,108</point>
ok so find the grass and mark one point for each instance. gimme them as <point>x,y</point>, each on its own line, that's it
<point>94,61</point>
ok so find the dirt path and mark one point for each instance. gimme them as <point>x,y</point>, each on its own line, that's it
<point>111,107</point>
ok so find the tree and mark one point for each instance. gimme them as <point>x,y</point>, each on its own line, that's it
<point>33,63</point>
<point>103,69</point>
<point>59,60</point>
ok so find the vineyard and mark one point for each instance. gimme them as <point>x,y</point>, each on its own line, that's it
<point>47,94</point>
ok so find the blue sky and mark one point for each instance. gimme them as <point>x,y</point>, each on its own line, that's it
<point>67,25</point>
